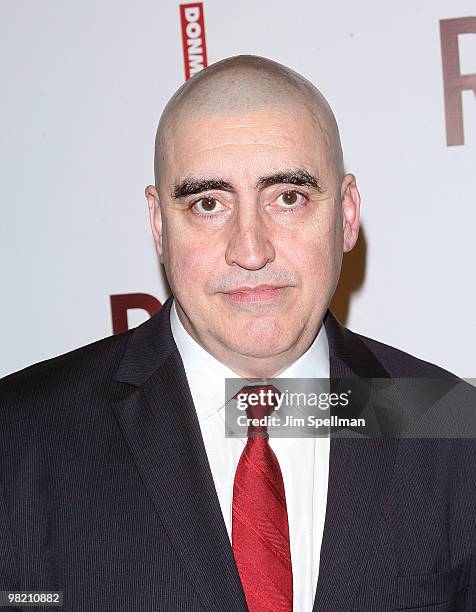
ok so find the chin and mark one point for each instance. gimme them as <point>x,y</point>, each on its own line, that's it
<point>261,340</point>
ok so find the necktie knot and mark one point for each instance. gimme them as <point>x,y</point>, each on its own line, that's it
<point>260,400</point>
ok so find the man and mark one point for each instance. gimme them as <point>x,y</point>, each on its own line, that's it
<point>119,486</point>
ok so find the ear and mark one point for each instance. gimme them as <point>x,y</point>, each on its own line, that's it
<point>155,217</point>
<point>350,198</point>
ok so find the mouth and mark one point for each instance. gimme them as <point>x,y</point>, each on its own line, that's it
<point>259,294</point>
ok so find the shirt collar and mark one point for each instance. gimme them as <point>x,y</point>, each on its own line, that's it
<point>206,375</point>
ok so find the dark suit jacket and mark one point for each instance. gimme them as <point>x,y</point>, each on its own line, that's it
<point>106,492</point>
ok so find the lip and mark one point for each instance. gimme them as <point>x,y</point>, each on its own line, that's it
<point>247,289</point>
<point>259,293</point>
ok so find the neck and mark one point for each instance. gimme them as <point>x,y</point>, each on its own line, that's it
<point>251,366</point>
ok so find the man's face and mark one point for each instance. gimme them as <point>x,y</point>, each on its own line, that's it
<point>247,200</point>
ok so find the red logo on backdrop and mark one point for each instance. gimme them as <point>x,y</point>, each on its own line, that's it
<point>123,302</point>
<point>193,38</point>
<point>453,81</point>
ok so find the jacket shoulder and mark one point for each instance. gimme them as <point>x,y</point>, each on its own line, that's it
<point>79,367</point>
<point>402,364</point>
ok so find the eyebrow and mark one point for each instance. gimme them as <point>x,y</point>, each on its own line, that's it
<point>194,186</point>
<point>191,186</point>
<point>298,177</point>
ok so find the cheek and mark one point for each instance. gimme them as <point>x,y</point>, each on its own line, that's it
<point>317,264</point>
<point>313,248</point>
<point>191,261</point>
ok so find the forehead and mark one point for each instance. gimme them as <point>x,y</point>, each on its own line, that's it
<point>261,140</point>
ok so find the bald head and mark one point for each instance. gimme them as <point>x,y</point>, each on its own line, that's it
<point>251,191</point>
<point>245,84</point>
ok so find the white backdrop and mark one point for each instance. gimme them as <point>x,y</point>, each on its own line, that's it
<point>84,84</point>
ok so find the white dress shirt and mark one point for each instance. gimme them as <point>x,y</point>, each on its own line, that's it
<point>304,462</point>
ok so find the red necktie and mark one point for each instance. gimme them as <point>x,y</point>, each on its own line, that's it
<point>260,533</point>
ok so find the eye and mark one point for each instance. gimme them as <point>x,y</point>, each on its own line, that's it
<point>291,199</point>
<point>206,206</point>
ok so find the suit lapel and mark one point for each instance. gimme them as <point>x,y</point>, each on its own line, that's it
<point>159,422</point>
<point>160,425</point>
<point>359,475</point>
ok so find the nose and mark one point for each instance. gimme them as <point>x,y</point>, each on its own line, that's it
<point>249,245</point>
